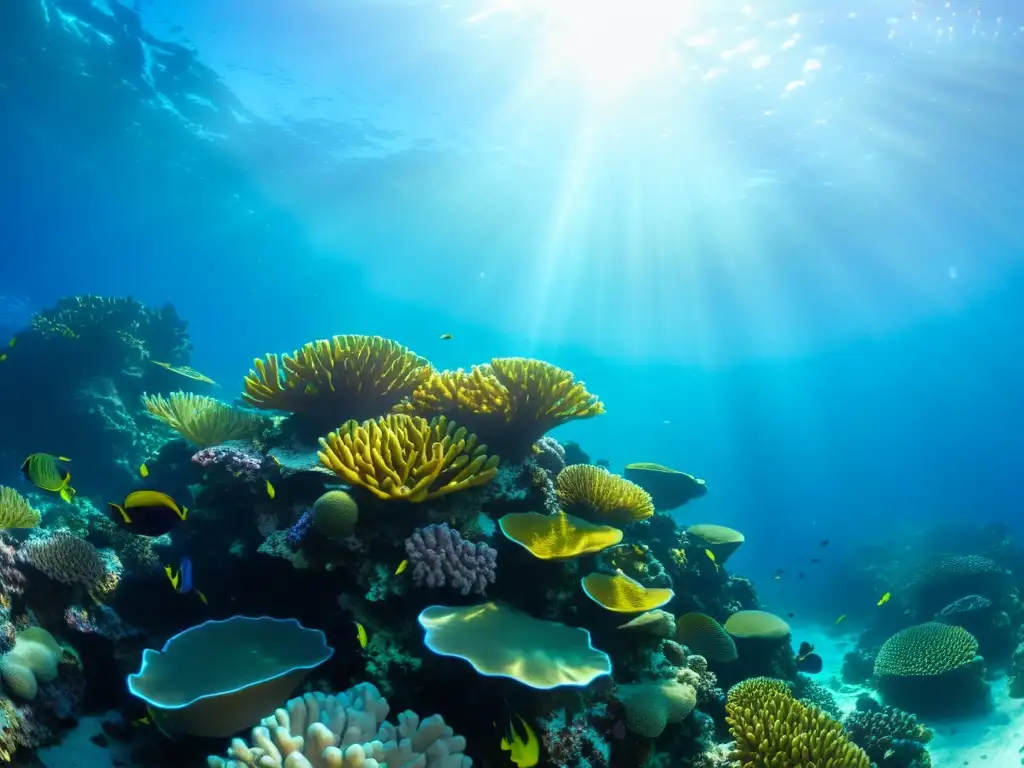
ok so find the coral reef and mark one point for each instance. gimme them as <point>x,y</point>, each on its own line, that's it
<point>440,557</point>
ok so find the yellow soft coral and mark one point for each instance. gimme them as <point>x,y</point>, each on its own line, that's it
<point>511,403</point>
<point>15,511</point>
<point>202,420</point>
<point>771,728</point>
<point>332,380</point>
<point>595,494</point>
<point>407,457</point>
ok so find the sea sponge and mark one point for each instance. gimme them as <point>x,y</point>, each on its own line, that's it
<point>348,729</point>
<point>771,728</point>
<point>510,403</point>
<point>926,650</point>
<point>722,541</point>
<point>650,707</point>
<point>15,511</point>
<point>595,494</point>
<point>669,488</point>
<point>703,634</point>
<point>335,514</point>
<point>343,378</point>
<point>621,594</point>
<point>501,641</point>
<point>407,458</point>
<point>558,536</point>
<point>203,421</point>
<point>759,625</point>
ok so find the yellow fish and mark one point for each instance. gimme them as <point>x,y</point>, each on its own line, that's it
<point>184,370</point>
<point>361,634</point>
<point>401,567</point>
<point>270,490</point>
<point>143,470</point>
<point>445,336</point>
<point>12,342</point>
<point>841,619</point>
<point>884,598</point>
<point>524,747</point>
<point>274,459</point>
<point>44,470</point>
<point>711,557</point>
<point>3,358</point>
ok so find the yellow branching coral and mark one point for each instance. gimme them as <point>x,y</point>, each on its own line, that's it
<point>511,402</point>
<point>407,457</point>
<point>595,494</point>
<point>621,594</point>
<point>203,420</point>
<point>771,728</point>
<point>333,380</point>
<point>557,537</point>
<point>15,511</point>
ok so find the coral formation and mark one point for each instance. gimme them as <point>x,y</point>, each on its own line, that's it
<point>407,457</point>
<point>440,557</point>
<point>619,593</point>
<point>335,514</point>
<point>558,536</point>
<point>704,635</point>
<point>722,541</point>
<point>650,707</point>
<point>346,729</point>
<point>669,488</point>
<point>15,511</point>
<point>891,737</point>
<point>65,558</point>
<point>597,495</point>
<point>203,421</point>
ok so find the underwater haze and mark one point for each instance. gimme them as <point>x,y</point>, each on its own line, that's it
<point>780,239</point>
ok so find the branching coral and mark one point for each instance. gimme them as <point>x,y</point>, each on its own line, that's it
<point>511,402</point>
<point>891,737</point>
<point>15,511</point>
<point>407,457</point>
<point>346,730</point>
<point>595,494</point>
<point>65,558</point>
<point>772,728</point>
<point>334,380</point>
<point>203,421</point>
<point>440,557</point>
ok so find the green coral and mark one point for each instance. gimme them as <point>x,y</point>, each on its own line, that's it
<point>926,650</point>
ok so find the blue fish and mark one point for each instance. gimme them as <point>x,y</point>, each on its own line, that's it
<point>181,579</point>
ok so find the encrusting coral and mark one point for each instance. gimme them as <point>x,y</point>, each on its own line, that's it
<point>203,421</point>
<point>347,730</point>
<point>597,495</point>
<point>407,458</point>
<point>771,728</point>
<point>15,511</point>
<point>334,380</point>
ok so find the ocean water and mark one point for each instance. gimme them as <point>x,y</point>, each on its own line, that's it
<point>780,239</point>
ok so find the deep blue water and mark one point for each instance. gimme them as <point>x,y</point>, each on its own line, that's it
<point>791,266</point>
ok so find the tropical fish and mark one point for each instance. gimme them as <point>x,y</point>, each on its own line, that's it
<point>13,341</point>
<point>361,635</point>
<point>711,557</point>
<point>815,560</point>
<point>841,619</point>
<point>46,471</point>
<point>270,490</point>
<point>147,513</point>
<point>181,579</point>
<point>524,746</point>
<point>143,470</point>
<point>184,370</point>
<point>3,358</point>
<point>274,459</point>
<point>884,598</point>
<point>401,567</point>
<point>445,336</point>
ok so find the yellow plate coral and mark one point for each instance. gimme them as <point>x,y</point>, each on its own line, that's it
<point>621,594</point>
<point>558,536</point>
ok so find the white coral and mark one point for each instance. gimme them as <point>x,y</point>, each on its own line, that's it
<point>348,730</point>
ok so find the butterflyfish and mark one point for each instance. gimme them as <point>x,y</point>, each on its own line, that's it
<point>46,471</point>
<point>523,745</point>
<point>884,598</point>
<point>270,490</point>
<point>184,370</point>
<point>147,513</point>
<point>143,470</point>
<point>401,567</point>
<point>361,635</point>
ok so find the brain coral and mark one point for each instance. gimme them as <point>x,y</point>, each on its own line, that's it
<point>926,650</point>
<point>335,514</point>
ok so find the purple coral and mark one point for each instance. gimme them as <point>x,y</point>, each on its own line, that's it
<point>236,460</point>
<point>298,532</point>
<point>440,556</point>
